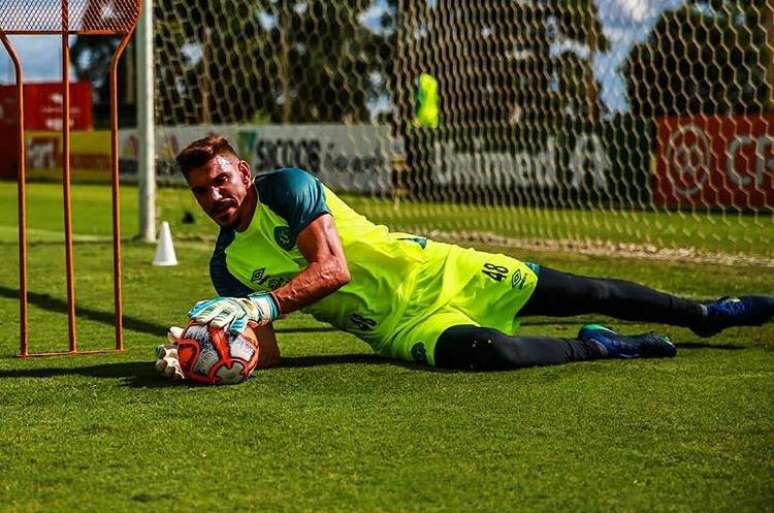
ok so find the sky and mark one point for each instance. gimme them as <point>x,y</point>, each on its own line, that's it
<point>625,23</point>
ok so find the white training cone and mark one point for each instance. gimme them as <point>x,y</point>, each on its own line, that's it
<point>165,251</point>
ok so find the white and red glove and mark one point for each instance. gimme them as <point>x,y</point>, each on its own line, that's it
<point>167,363</point>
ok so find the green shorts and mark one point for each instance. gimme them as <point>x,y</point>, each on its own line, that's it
<point>482,289</point>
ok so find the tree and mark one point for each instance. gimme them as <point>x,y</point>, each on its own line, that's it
<point>709,57</point>
<point>511,75</point>
<point>91,57</point>
<point>235,61</point>
<point>229,61</point>
<point>496,61</point>
<point>578,22</point>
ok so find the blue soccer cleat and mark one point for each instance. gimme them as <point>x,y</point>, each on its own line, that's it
<point>647,345</point>
<point>727,312</point>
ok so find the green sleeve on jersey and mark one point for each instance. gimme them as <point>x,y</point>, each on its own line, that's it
<point>294,195</point>
<point>224,282</point>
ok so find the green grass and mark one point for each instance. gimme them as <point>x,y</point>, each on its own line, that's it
<point>337,429</point>
<point>728,233</point>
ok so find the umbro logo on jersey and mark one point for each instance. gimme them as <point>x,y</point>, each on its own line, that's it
<point>518,279</point>
<point>258,275</point>
<point>282,236</point>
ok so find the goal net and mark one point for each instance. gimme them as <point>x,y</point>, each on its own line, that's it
<point>595,125</point>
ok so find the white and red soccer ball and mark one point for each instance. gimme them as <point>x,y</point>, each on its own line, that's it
<point>214,356</point>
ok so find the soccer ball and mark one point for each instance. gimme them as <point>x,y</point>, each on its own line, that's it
<point>215,356</point>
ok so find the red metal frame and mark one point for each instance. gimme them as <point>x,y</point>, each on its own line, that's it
<point>65,32</point>
<point>22,193</point>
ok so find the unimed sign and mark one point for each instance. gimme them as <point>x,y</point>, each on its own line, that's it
<point>715,161</point>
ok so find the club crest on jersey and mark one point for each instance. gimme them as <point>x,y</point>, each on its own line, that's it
<point>518,279</point>
<point>282,236</point>
<point>258,275</point>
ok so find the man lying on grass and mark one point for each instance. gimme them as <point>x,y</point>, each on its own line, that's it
<point>288,243</point>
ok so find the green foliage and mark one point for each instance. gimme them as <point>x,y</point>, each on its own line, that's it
<point>499,80</point>
<point>91,57</point>
<point>226,61</point>
<point>709,60</point>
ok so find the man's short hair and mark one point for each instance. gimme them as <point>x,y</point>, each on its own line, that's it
<point>201,151</point>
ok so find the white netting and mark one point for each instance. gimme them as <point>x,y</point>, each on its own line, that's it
<point>630,126</point>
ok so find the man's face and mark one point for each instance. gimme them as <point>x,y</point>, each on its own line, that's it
<point>220,186</point>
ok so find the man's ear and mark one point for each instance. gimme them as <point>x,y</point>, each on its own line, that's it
<point>245,171</point>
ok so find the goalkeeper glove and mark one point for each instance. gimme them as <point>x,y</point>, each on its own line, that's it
<point>167,362</point>
<point>233,313</point>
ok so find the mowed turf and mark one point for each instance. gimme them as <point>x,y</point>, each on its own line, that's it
<point>338,429</point>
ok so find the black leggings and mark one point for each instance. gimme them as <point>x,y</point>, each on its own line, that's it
<point>560,295</point>
<point>476,348</point>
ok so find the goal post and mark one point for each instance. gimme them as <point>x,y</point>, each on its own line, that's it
<point>575,125</point>
<point>146,112</point>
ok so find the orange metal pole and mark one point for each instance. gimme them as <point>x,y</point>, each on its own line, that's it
<point>65,32</point>
<point>66,179</point>
<point>117,301</point>
<point>22,200</point>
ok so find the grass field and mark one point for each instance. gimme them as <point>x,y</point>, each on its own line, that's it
<point>338,429</point>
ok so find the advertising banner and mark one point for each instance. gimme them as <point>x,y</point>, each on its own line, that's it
<point>352,158</point>
<point>43,112</point>
<point>89,155</point>
<point>43,106</point>
<point>169,142</point>
<point>715,161</point>
<point>583,163</point>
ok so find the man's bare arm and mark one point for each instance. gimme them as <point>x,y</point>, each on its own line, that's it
<point>325,273</point>
<point>327,270</point>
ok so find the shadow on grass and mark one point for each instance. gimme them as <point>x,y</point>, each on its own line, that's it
<point>705,345</point>
<point>128,373</point>
<point>53,304</point>
<point>143,375</point>
<point>336,359</point>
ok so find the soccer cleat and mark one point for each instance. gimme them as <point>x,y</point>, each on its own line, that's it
<point>727,312</point>
<point>647,345</point>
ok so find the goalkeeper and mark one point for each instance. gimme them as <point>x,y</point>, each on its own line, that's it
<point>288,243</point>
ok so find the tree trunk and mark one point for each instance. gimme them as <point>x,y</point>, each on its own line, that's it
<point>592,40</point>
<point>284,64</point>
<point>204,78</point>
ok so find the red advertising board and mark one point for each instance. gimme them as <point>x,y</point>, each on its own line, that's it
<point>42,111</point>
<point>715,161</point>
<point>43,106</point>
